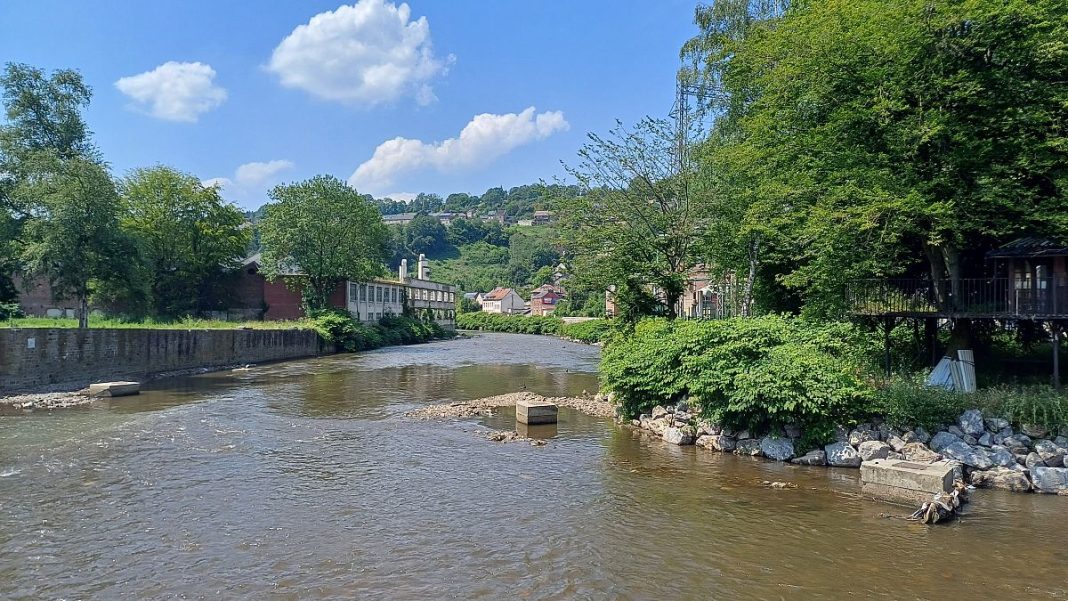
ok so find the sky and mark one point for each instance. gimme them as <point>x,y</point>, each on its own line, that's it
<point>434,96</point>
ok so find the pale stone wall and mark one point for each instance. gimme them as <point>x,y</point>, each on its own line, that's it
<point>58,358</point>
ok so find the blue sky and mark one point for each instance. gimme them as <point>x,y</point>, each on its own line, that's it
<point>250,94</point>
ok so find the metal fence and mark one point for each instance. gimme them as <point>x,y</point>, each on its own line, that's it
<point>994,297</point>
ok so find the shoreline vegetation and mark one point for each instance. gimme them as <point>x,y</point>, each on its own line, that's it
<point>593,331</point>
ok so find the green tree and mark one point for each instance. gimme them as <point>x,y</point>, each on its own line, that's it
<point>75,239</point>
<point>190,237</point>
<point>424,234</point>
<point>863,139</point>
<point>43,124</point>
<point>639,219</point>
<point>319,233</point>
<point>527,254</point>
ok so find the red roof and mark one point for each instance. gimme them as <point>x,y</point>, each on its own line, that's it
<point>497,294</point>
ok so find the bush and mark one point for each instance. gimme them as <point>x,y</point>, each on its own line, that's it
<point>1041,405</point>
<point>515,324</point>
<point>588,331</point>
<point>338,327</point>
<point>745,373</point>
<point>10,311</point>
<point>907,403</point>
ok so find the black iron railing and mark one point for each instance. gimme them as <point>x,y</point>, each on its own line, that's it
<point>993,297</point>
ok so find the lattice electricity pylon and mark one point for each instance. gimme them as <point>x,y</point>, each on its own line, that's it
<point>692,113</point>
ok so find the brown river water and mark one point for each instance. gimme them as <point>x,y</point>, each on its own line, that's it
<point>303,480</point>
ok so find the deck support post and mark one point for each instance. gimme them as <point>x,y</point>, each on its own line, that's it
<point>888,324</point>
<point>1055,328</point>
<point>930,336</point>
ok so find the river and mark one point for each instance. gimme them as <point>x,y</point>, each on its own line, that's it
<point>303,480</point>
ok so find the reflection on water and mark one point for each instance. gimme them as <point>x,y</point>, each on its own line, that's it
<point>303,480</point>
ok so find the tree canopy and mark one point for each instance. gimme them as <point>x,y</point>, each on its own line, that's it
<point>320,232</point>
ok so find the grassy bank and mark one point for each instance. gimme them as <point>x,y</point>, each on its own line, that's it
<point>587,331</point>
<point>187,323</point>
<point>340,328</point>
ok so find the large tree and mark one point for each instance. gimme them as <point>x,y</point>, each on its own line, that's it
<point>319,233</point>
<point>862,138</point>
<point>75,238</point>
<point>638,221</point>
<point>43,124</point>
<point>190,236</point>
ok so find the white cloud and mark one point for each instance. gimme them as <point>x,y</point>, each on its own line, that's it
<point>485,138</point>
<point>253,174</point>
<point>363,54</point>
<point>174,91</point>
<point>221,182</point>
<point>401,196</point>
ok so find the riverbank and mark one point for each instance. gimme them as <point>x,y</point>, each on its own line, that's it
<point>589,331</point>
<point>988,452</point>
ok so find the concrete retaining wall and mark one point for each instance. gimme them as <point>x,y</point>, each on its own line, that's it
<point>33,359</point>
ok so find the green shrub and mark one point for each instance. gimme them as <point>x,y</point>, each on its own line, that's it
<point>338,327</point>
<point>588,331</point>
<point>751,373</point>
<point>515,324</point>
<point>906,403</point>
<point>1041,405</point>
<point>10,310</point>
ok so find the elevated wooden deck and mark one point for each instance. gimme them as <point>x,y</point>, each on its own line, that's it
<point>1043,299</point>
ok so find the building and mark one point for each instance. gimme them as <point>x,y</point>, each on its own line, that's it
<point>503,300</point>
<point>398,218</point>
<point>427,298</point>
<point>543,217</point>
<point>543,299</point>
<point>370,301</point>
<point>445,219</point>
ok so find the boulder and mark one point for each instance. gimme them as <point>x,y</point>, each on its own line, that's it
<point>986,439</point>
<point>910,436</point>
<point>860,435</point>
<point>943,439</point>
<point>680,436</point>
<point>1005,432</point>
<point>896,443</point>
<point>707,427</point>
<point>841,434</point>
<point>703,440</point>
<point>1015,445</point>
<point>811,458</point>
<point>970,440</point>
<point>970,456</point>
<point>682,406</point>
<point>841,454</point>
<point>955,431</point>
<point>1061,441</point>
<point>1051,454</point>
<point>792,431</point>
<point>1001,478</point>
<point>918,452</point>
<point>1034,430</point>
<point>779,449</point>
<point>659,412</point>
<point>995,424</point>
<point>873,449</point>
<point>922,435</point>
<point>1050,479</point>
<point>1034,460</point>
<point>748,446</point>
<point>895,455</point>
<point>722,442</point>
<point>743,434</point>
<point>1002,457</point>
<point>971,422</point>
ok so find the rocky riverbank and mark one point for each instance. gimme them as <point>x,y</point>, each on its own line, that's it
<point>44,401</point>
<point>597,406</point>
<point>990,453</point>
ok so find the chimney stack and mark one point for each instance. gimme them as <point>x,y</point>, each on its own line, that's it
<point>422,267</point>
<point>404,269</point>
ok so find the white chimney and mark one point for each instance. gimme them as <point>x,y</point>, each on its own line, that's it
<point>422,267</point>
<point>404,269</point>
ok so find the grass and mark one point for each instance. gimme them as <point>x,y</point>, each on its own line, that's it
<point>187,323</point>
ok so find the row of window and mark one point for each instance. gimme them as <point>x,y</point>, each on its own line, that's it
<point>391,294</point>
<point>435,295</point>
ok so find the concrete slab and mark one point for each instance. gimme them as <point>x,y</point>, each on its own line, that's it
<point>535,412</point>
<point>905,481</point>
<point>113,389</point>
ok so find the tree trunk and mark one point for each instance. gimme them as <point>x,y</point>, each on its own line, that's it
<point>83,311</point>
<point>747,293</point>
<point>938,275</point>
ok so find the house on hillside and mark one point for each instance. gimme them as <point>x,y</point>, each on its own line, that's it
<point>543,299</point>
<point>543,217</point>
<point>398,218</point>
<point>503,300</point>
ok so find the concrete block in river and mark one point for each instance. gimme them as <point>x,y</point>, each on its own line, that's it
<point>111,389</point>
<point>905,481</point>
<point>535,412</point>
